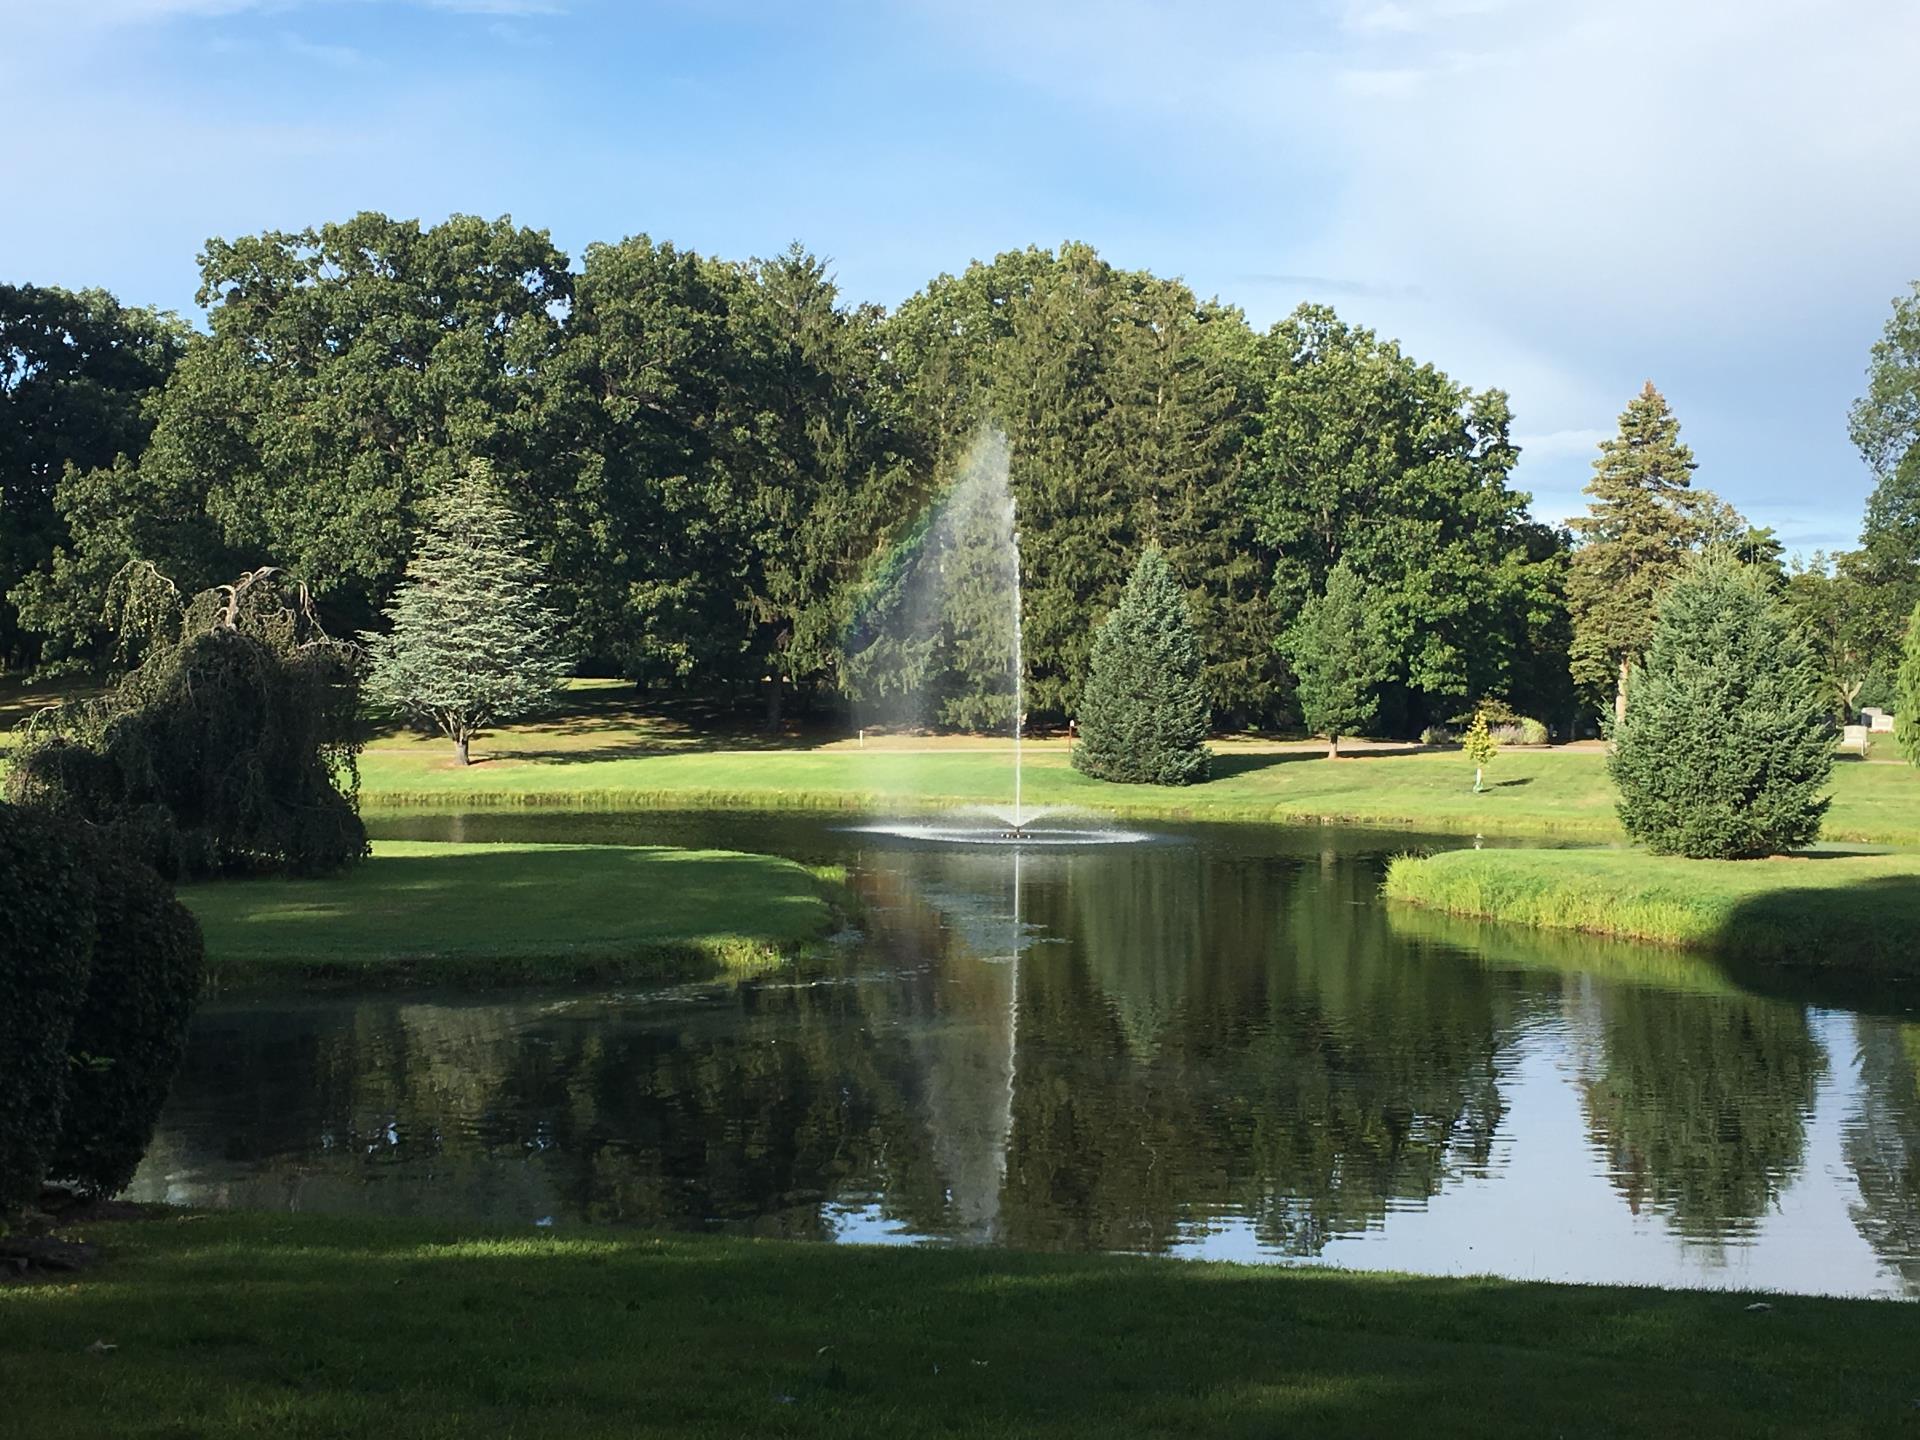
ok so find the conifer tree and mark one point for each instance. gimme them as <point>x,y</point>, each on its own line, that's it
<point>1643,521</point>
<point>1143,713</point>
<point>1339,659</point>
<point>1727,742</point>
<point>1906,705</point>
<point>472,642</point>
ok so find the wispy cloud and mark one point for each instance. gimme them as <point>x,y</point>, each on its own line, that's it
<point>1331,285</point>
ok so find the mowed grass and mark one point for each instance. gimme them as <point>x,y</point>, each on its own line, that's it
<point>608,752</point>
<point>511,913</point>
<point>1845,912</point>
<point>224,1326</point>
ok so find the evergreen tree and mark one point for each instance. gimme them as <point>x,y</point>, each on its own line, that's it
<point>1339,659</point>
<point>1644,519</point>
<point>472,641</point>
<point>1727,742</point>
<point>1906,705</point>
<point>1143,713</point>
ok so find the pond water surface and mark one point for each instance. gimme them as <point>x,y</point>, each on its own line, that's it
<point>1220,1043</point>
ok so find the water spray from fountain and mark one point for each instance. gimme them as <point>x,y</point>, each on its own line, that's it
<point>937,640</point>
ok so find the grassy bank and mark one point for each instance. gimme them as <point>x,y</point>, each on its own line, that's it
<point>1858,912</point>
<point>241,1325</point>
<point>512,913</point>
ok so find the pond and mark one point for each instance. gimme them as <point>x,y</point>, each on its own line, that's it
<point>1219,1043</point>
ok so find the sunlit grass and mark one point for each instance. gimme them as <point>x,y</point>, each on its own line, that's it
<point>242,1325</point>
<point>1842,911</point>
<point>420,910</point>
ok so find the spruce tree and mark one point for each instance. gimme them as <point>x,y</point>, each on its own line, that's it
<point>1339,658</point>
<point>1727,743</point>
<point>1906,705</point>
<point>1644,519</point>
<point>1143,713</point>
<point>472,641</point>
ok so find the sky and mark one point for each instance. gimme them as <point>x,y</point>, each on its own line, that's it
<point>1561,198</point>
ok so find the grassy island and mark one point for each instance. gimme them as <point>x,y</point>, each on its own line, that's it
<point>246,1324</point>
<point>512,913</point>
<point>1837,911</point>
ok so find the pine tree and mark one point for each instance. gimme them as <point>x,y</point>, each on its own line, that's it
<point>1906,705</point>
<point>1644,519</point>
<point>1727,742</point>
<point>1339,659</point>
<point>1143,713</point>
<point>472,641</point>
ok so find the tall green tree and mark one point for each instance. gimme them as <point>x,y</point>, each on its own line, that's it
<point>1339,659</point>
<point>472,641</point>
<point>1885,425</point>
<point>1645,518</point>
<point>347,371</point>
<point>1126,404</point>
<point>1835,611</point>
<point>76,370</point>
<point>1906,715</point>
<point>1143,712</point>
<point>1727,743</point>
<point>1364,456</point>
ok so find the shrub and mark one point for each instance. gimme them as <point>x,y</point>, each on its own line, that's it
<point>1143,716</point>
<point>1726,743</point>
<point>131,1028</point>
<point>231,746</point>
<point>1436,735</point>
<point>46,944</point>
<point>1523,731</point>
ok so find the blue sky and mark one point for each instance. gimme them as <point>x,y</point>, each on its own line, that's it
<point>1559,197</point>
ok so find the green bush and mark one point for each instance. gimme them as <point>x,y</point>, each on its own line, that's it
<point>1143,715</point>
<point>1727,743</point>
<point>1524,730</point>
<point>46,945</point>
<point>1906,698</point>
<point>131,1029</point>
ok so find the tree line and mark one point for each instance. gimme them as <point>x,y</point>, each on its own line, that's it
<point>713,459</point>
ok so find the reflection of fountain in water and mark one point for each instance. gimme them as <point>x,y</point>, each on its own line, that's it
<point>938,641</point>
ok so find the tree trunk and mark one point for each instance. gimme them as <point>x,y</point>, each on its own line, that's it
<point>1476,779</point>
<point>1620,695</point>
<point>776,691</point>
<point>460,749</point>
<point>1333,747</point>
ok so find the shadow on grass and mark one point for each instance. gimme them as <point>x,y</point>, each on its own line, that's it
<point>1232,763</point>
<point>228,1325</point>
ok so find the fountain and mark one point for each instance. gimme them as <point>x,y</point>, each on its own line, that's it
<point>938,641</point>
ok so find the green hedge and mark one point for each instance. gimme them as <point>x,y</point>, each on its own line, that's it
<point>46,949</point>
<point>99,970</point>
<point>131,1029</point>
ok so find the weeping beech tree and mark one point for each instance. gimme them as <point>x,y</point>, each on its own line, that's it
<point>472,642</point>
<point>231,746</point>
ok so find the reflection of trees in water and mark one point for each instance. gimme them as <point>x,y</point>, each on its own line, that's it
<point>1700,1102</point>
<point>1883,1144</point>
<point>1265,1049</point>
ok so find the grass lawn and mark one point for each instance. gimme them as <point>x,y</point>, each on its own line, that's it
<point>1839,911</point>
<point>296,1325</point>
<point>420,911</point>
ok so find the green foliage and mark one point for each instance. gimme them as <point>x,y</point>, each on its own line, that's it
<point>1364,457</point>
<point>1143,713</point>
<point>1339,658</point>
<point>231,746</point>
<point>1837,608</point>
<point>1125,403</point>
<point>1479,746</point>
<point>130,1031</point>
<point>75,371</point>
<point>1643,522</point>
<point>1906,713</point>
<point>473,641</point>
<point>46,946</point>
<point>1727,745</point>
